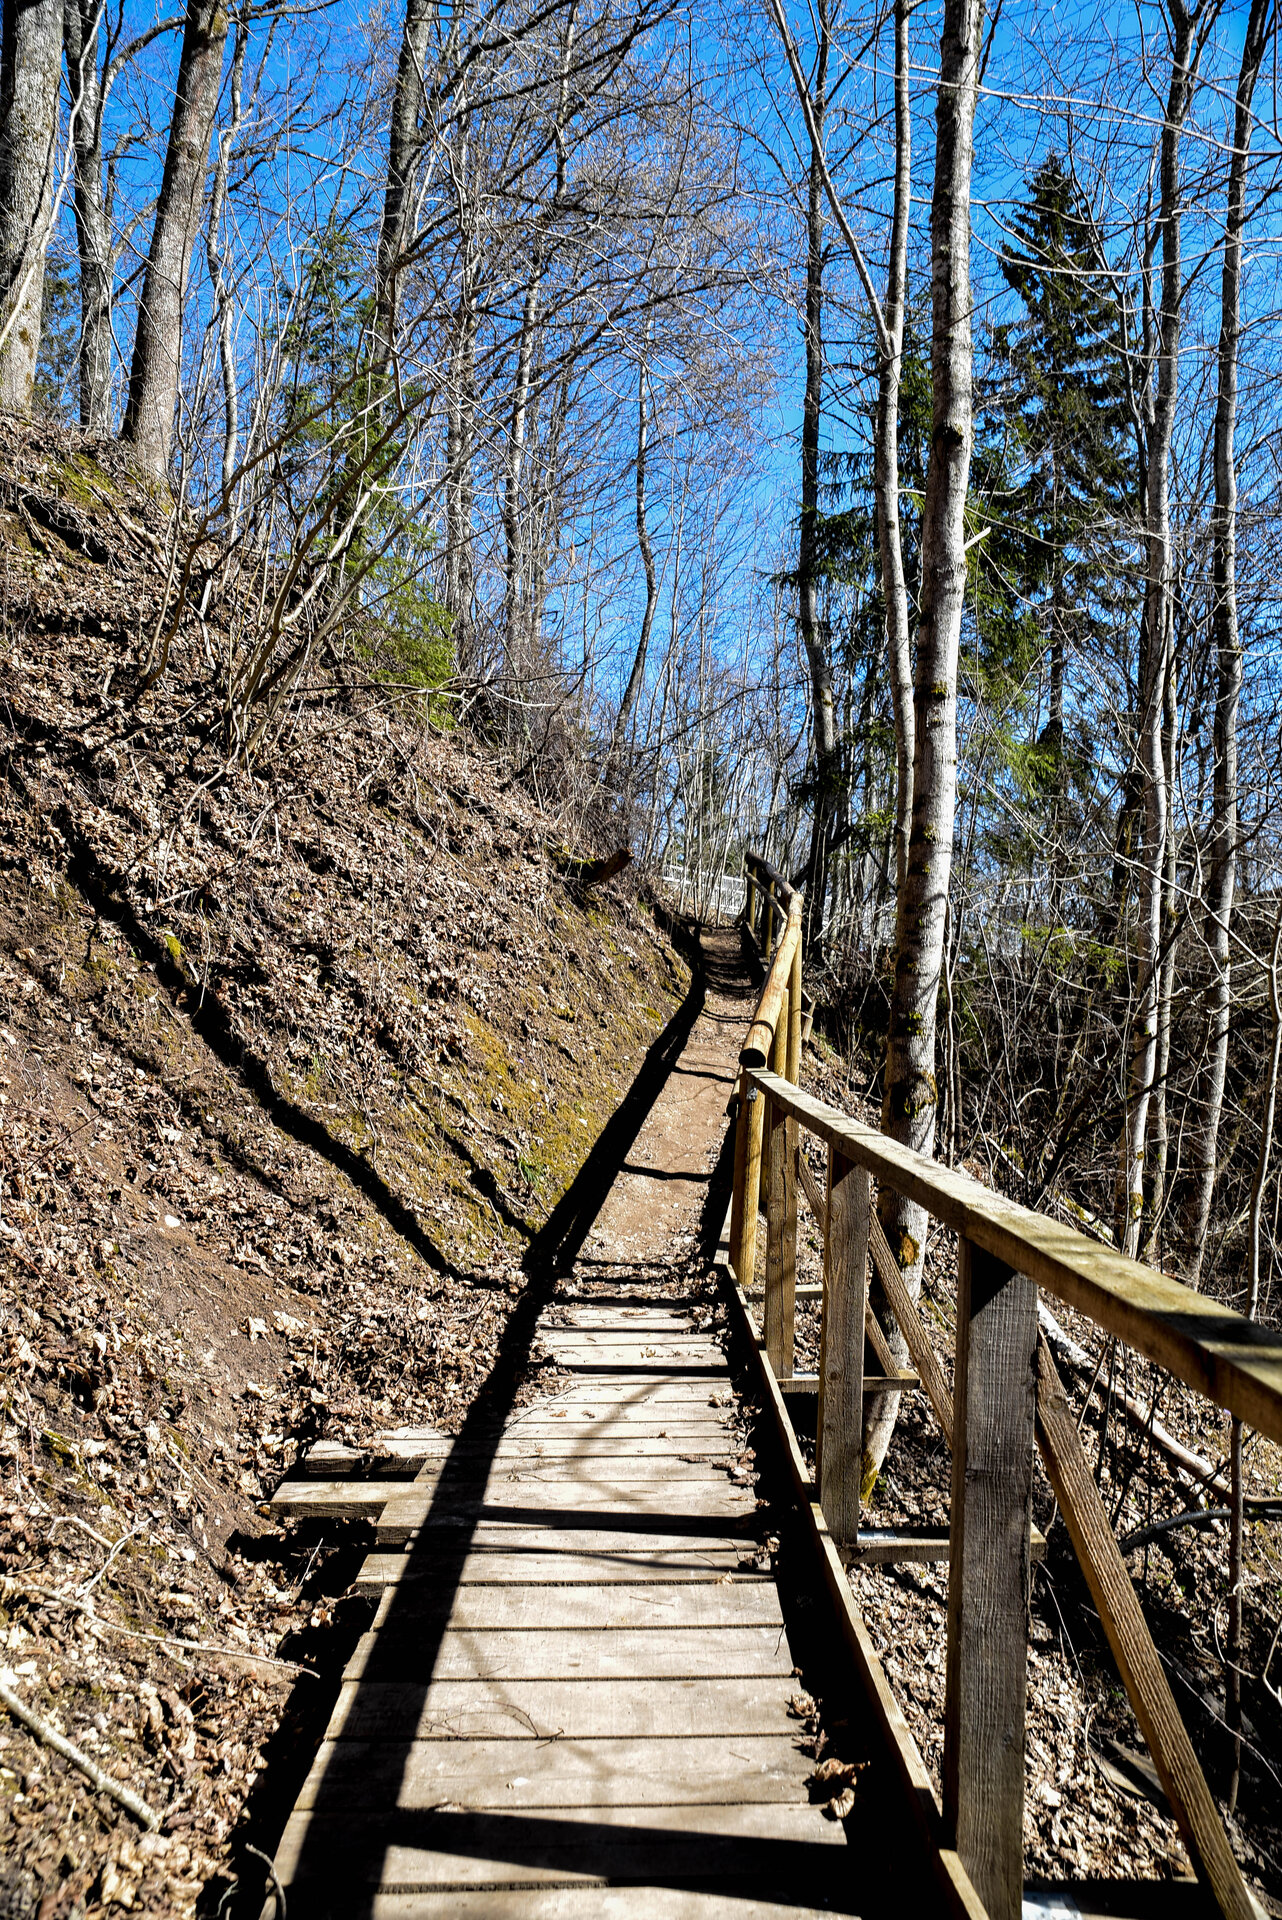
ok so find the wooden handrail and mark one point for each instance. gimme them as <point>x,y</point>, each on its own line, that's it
<point>1224,1356</point>
<point>773,879</point>
<point>774,994</point>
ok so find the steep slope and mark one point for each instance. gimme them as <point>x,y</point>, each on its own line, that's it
<point>294,1062</point>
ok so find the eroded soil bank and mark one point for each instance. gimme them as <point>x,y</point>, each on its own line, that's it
<point>295,1062</point>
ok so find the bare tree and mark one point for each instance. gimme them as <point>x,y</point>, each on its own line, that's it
<point>154,375</point>
<point>1188,30</point>
<point>30,60</point>
<point>1228,654</point>
<point>911,1099</point>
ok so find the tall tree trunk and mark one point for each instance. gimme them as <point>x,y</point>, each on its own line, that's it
<point>515,584</point>
<point>1155,636</point>
<point>911,1100</point>
<point>404,145</point>
<point>1228,655</point>
<point>824,709</point>
<point>1160,1156</point>
<point>30,71</point>
<point>82,32</point>
<point>214,257</point>
<point>157,358</point>
<point>886,455</point>
<point>460,440</point>
<point>637,675</point>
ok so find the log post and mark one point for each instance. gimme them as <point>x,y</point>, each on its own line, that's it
<point>746,1199</point>
<point>781,1221</point>
<point>793,1069</point>
<point>839,1441</point>
<point>750,900</point>
<point>994,1402</point>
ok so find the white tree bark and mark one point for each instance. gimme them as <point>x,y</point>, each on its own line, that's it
<point>30,67</point>
<point>1228,654</point>
<point>911,1100</point>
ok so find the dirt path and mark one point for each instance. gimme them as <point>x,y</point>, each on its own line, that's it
<point>661,1188</point>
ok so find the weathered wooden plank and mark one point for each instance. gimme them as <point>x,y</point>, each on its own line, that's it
<point>556,1709</point>
<point>1137,1658</point>
<point>509,1774</point>
<point>768,1847</point>
<point>609,1469</point>
<point>594,1901</point>
<point>676,1608</point>
<point>532,1502</point>
<point>1231,1360</point>
<point>988,1580</point>
<point>311,1499</point>
<point>662,1558</point>
<point>840,1430</point>
<point>631,1654</point>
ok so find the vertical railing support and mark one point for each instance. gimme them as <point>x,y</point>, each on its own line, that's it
<point>781,1220</point>
<point>745,1201</point>
<point>750,900</point>
<point>839,1442</point>
<point>988,1576</point>
<point>793,1068</point>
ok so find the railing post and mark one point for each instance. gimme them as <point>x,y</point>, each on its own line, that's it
<point>839,1435</point>
<point>781,1221</point>
<point>988,1576</point>
<point>793,1069</point>
<point>750,900</point>
<point>745,1201</point>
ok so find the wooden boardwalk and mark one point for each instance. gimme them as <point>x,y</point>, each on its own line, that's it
<point>574,1700</point>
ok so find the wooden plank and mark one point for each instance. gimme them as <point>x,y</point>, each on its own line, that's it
<point>592,1901</point>
<point>876,1338</point>
<point>556,1709</point>
<point>458,1847</point>
<point>675,1608</point>
<point>311,1499</point>
<point>1233,1361</point>
<point>781,1241</point>
<point>606,1469</point>
<point>525,1502</point>
<point>839,1447</point>
<point>1137,1658</point>
<point>921,1348</point>
<point>629,1654</point>
<point>986,1684</point>
<point>562,1773</point>
<point>662,1558</point>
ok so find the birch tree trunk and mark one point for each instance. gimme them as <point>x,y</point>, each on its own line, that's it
<point>822,698</point>
<point>1155,633</point>
<point>157,357</point>
<point>1228,655</point>
<point>214,257</point>
<point>82,31</point>
<point>886,456</point>
<point>30,74</point>
<point>911,1101</point>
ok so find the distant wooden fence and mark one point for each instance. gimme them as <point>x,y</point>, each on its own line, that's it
<point>1006,1399</point>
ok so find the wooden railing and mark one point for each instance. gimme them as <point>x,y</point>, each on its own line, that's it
<point>1005,1402</point>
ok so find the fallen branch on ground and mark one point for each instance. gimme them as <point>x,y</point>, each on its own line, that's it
<point>132,1802</point>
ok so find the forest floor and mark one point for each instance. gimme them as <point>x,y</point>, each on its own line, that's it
<point>294,1064</point>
